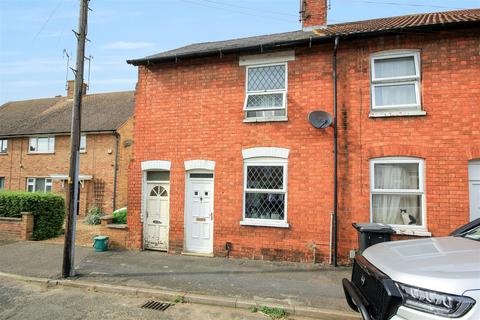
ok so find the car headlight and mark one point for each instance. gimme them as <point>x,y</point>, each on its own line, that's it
<point>442,304</point>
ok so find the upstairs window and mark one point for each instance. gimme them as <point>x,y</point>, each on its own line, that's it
<point>39,184</point>
<point>395,81</point>
<point>266,92</point>
<point>42,145</point>
<point>83,143</point>
<point>3,145</point>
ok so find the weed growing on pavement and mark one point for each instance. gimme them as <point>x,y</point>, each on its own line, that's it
<point>253,309</point>
<point>274,313</point>
<point>179,299</point>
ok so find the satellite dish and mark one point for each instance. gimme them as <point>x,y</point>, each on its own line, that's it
<point>320,119</point>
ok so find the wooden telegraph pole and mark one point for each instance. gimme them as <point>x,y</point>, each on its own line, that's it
<point>68,269</point>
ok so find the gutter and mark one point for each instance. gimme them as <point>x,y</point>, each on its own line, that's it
<point>67,133</point>
<point>115,172</point>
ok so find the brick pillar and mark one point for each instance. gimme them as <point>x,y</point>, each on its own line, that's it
<point>26,226</point>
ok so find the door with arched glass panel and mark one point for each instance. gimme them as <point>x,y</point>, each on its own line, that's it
<point>157,216</point>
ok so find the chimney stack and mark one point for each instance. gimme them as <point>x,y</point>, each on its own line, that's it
<point>71,89</point>
<point>313,13</point>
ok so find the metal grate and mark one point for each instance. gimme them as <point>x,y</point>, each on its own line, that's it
<point>266,78</point>
<point>156,305</point>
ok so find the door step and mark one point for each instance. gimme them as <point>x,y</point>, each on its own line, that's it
<point>197,254</point>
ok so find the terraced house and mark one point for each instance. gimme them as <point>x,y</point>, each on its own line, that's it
<point>35,146</point>
<point>226,162</point>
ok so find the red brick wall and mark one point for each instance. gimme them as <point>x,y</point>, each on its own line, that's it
<point>98,161</point>
<point>193,110</point>
<point>314,13</point>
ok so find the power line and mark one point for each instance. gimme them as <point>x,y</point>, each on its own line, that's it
<point>49,18</point>
<point>237,11</point>
<point>252,9</point>
<point>405,4</point>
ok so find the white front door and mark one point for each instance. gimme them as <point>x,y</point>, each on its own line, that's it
<point>199,213</point>
<point>474,186</point>
<point>157,216</point>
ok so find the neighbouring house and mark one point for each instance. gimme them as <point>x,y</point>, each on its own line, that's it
<point>226,162</point>
<point>35,146</point>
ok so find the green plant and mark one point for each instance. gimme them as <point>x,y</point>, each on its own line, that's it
<point>120,216</point>
<point>253,309</point>
<point>94,215</point>
<point>48,211</point>
<point>274,313</point>
<point>179,299</point>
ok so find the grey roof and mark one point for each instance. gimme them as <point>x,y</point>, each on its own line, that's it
<point>100,112</point>
<point>272,41</point>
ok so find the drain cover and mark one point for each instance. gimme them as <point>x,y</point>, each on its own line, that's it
<point>156,305</point>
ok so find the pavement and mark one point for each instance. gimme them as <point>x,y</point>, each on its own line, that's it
<point>27,301</point>
<point>293,285</point>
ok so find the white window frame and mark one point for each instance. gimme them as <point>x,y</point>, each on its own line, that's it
<point>258,160</point>
<point>31,181</point>
<point>262,92</point>
<point>392,81</point>
<point>400,228</point>
<point>51,144</point>
<point>84,138</point>
<point>3,145</point>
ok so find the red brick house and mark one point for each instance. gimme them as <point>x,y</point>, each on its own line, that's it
<point>35,146</point>
<point>225,160</point>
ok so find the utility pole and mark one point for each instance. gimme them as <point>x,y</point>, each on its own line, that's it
<point>68,269</point>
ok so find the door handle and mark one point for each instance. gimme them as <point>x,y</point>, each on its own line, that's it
<point>211,215</point>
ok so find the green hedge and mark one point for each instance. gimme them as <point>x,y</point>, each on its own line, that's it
<point>120,216</point>
<point>48,210</point>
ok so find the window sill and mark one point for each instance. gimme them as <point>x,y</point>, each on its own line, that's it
<point>412,232</point>
<point>386,114</point>
<point>276,119</point>
<point>40,152</point>
<point>266,223</point>
<point>3,153</point>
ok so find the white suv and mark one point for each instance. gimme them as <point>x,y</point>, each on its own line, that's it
<point>427,279</point>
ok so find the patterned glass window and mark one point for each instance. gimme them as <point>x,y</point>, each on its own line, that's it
<point>2,183</point>
<point>83,143</point>
<point>266,91</point>
<point>265,192</point>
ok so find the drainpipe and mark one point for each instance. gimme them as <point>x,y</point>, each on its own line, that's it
<point>335,156</point>
<point>115,172</point>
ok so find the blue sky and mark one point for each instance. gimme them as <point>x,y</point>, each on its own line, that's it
<point>34,33</point>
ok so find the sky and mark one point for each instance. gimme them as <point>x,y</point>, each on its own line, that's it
<point>36,35</point>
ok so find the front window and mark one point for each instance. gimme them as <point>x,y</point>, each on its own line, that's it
<point>397,193</point>
<point>395,81</point>
<point>265,187</point>
<point>266,92</point>
<point>42,145</point>
<point>39,184</point>
<point>3,145</point>
<point>83,143</point>
<point>2,183</point>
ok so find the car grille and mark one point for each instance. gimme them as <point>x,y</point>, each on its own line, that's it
<point>379,290</point>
